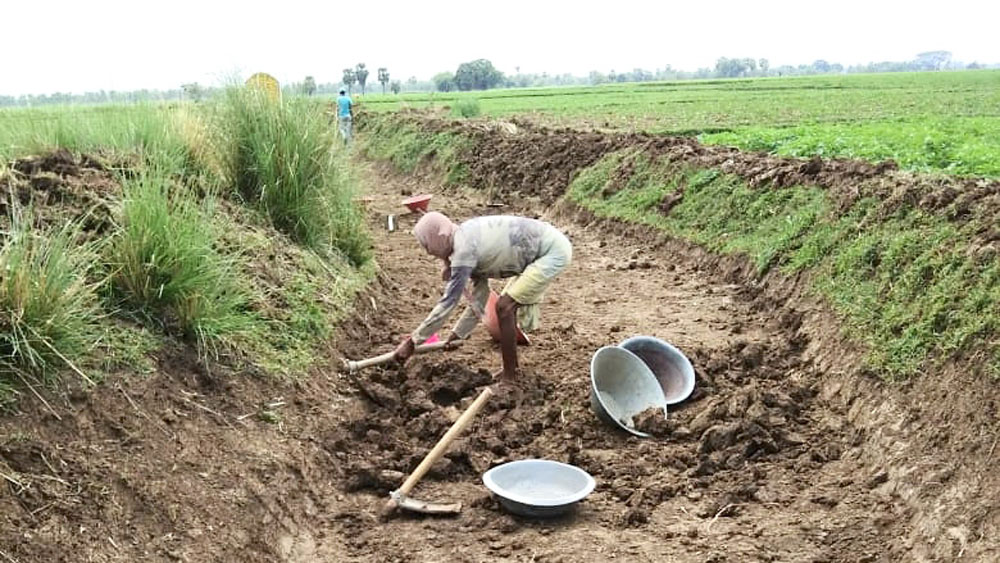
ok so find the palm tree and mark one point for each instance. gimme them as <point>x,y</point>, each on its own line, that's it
<point>361,73</point>
<point>383,77</point>
<point>349,78</point>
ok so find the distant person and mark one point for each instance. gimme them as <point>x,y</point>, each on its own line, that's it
<point>344,115</point>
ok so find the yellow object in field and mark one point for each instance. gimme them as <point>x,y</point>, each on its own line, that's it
<point>267,84</point>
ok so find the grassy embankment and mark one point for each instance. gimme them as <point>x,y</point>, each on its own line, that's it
<point>232,228</point>
<point>912,286</point>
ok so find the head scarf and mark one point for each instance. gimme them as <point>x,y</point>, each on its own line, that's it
<point>434,232</point>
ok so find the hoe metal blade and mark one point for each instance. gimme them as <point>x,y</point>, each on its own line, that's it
<point>424,507</point>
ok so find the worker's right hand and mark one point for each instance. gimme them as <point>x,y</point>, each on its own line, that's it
<point>404,351</point>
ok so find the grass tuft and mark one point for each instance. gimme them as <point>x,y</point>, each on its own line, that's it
<point>285,159</point>
<point>164,263</point>
<point>178,261</point>
<point>48,309</point>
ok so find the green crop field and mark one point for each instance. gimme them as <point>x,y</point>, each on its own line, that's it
<point>928,122</point>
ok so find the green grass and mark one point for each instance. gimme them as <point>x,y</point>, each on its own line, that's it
<point>288,342</point>
<point>697,105</point>
<point>48,306</point>
<point>147,128</point>
<point>122,346</point>
<point>296,296</point>
<point>184,259</point>
<point>407,146</point>
<point>285,160</point>
<point>164,263</point>
<point>222,277</point>
<point>910,285</point>
<point>937,121</point>
<point>466,107</point>
<point>957,145</point>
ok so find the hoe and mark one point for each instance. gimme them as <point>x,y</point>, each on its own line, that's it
<point>400,497</point>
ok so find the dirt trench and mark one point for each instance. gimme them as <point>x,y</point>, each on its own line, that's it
<point>755,466</point>
<point>768,461</point>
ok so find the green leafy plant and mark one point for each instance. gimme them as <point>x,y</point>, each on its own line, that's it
<point>466,107</point>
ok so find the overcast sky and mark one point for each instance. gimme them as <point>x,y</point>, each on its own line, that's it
<point>86,45</point>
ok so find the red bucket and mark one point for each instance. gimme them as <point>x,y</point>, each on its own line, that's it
<point>417,203</point>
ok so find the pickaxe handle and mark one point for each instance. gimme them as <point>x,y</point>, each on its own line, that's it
<point>439,449</point>
<point>353,366</point>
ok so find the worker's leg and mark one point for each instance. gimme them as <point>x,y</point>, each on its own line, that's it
<point>345,129</point>
<point>507,315</point>
<point>526,291</point>
<point>528,288</point>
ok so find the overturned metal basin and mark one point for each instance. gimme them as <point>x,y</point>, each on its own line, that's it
<point>621,387</point>
<point>669,365</point>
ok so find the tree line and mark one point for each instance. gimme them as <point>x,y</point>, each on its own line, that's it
<point>927,61</point>
<point>359,75</point>
<point>480,74</point>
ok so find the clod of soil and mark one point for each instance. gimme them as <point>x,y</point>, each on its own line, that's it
<point>653,422</point>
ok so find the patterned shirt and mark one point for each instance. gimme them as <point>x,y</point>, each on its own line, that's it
<point>497,246</point>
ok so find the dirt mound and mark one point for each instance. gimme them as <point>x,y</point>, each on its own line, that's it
<point>541,162</point>
<point>750,438</point>
<point>61,187</point>
<point>535,164</point>
<point>407,416</point>
<point>746,420</point>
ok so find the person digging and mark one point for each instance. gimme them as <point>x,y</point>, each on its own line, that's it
<point>529,251</point>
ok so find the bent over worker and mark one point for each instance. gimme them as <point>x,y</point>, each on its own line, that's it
<point>499,246</point>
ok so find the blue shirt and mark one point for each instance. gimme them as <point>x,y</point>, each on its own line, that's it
<point>344,104</point>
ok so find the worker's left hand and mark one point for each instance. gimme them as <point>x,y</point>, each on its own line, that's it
<point>404,351</point>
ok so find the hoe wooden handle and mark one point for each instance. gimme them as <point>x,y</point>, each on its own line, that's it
<point>441,447</point>
<point>359,365</point>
